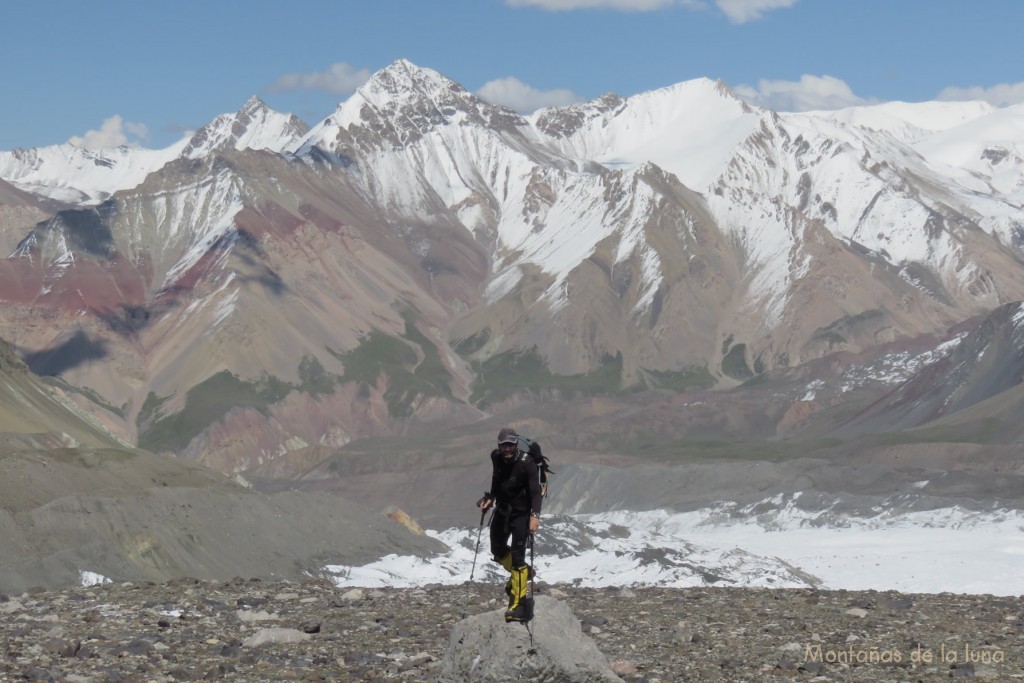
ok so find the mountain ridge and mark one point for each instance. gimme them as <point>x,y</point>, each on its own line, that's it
<point>422,260</point>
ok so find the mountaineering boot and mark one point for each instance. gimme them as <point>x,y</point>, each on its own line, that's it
<point>506,562</point>
<point>521,606</point>
<point>508,584</point>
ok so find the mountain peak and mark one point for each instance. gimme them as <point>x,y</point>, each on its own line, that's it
<point>696,90</point>
<point>403,80</point>
<point>400,104</point>
<point>253,105</point>
<point>404,65</point>
<point>254,126</point>
<point>725,90</point>
<point>689,129</point>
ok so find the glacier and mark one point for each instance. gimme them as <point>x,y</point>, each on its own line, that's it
<point>953,550</point>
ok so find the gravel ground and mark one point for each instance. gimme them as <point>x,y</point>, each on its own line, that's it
<point>246,630</point>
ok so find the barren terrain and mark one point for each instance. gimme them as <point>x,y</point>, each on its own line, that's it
<point>257,631</point>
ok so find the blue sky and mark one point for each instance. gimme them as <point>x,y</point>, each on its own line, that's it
<point>145,72</point>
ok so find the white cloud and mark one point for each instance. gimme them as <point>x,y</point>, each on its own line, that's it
<point>338,79</point>
<point>623,5</point>
<point>809,93</point>
<point>742,11</point>
<point>518,96</point>
<point>139,130</point>
<point>1000,95</point>
<point>738,11</point>
<point>113,132</point>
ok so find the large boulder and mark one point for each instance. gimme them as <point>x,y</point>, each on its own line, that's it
<point>485,649</point>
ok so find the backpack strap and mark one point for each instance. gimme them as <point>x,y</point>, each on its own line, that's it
<point>542,470</point>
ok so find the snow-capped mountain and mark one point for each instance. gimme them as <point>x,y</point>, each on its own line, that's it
<point>76,175</point>
<point>254,126</point>
<point>851,177</point>
<point>909,122</point>
<point>690,129</point>
<point>423,257</point>
<point>870,193</point>
<point>985,364</point>
<point>984,154</point>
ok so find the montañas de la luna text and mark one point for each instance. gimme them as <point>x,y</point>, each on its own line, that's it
<point>945,654</point>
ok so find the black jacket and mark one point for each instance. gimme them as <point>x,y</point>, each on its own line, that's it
<point>515,485</point>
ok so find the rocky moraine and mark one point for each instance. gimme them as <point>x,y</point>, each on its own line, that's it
<point>246,630</point>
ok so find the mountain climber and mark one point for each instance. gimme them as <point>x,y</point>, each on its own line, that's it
<point>516,494</point>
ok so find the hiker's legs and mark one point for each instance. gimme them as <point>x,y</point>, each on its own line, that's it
<point>520,606</point>
<point>519,527</point>
<point>500,550</point>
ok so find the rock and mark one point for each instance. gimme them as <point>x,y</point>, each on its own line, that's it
<point>11,607</point>
<point>139,646</point>
<point>396,514</point>
<point>251,601</point>
<point>486,648</point>
<point>350,596</point>
<point>62,647</point>
<point>402,634</point>
<point>812,667</point>
<point>984,673</point>
<point>408,663</point>
<point>897,602</point>
<point>623,667</point>
<point>275,635</point>
<point>246,616</point>
<point>962,671</point>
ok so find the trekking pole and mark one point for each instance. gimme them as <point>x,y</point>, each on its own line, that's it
<point>533,570</point>
<point>533,598</point>
<point>465,603</point>
<point>476,552</point>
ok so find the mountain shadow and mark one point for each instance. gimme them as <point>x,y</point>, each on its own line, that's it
<point>72,353</point>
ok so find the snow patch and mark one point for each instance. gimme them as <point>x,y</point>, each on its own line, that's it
<point>87,578</point>
<point>771,544</point>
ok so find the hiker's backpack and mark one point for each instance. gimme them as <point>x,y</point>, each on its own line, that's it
<point>530,453</point>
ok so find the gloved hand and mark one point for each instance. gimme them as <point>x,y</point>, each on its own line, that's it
<point>486,502</point>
